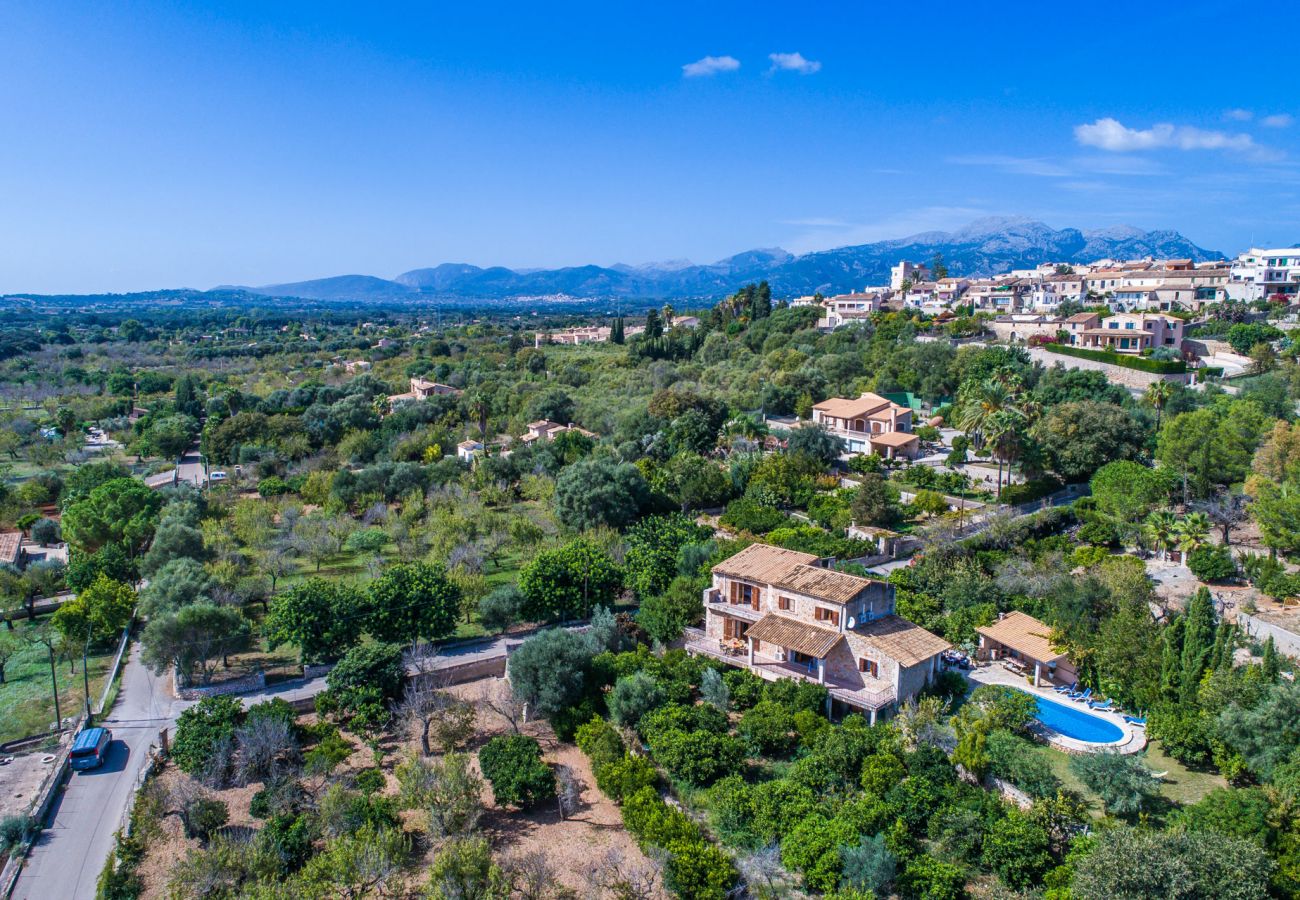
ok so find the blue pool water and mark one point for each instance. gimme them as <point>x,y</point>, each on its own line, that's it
<point>1076,722</point>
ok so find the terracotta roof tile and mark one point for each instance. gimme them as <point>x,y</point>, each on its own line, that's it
<point>902,641</point>
<point>787,632</point>
<point>1023,633</point>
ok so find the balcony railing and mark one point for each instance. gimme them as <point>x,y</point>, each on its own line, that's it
<point>771,668</point>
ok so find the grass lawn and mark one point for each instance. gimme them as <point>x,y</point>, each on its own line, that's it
<point>26,702</point>
<point>1180,787</point>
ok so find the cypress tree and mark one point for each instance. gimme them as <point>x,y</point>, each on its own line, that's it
<point>1198,641</point>
<point>1271,664</point>
<point>616,331</point>
<point>1171,659</point>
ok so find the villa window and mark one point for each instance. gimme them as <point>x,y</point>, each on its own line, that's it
<point>869,667</point>
<point>744,594</point>
<point>826,615</point>
<point>783,603</point>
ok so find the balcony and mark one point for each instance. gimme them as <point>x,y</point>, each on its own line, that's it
<point>769,667</point>
<point>714,600</point>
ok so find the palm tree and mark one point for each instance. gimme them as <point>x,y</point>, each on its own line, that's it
<point>1191,531</point>
<point>1160,527</point>
<point>1158,394</point>
<point>996,416</point>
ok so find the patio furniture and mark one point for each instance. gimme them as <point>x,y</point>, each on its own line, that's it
<point>1082,696</point>
<point>1138,721</point>
<point>1103,706</point>
<point>1062,689</point>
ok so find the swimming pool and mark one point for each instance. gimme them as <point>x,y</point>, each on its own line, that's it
<point>1076,722</point>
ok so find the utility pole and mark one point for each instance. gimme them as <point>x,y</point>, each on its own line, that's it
<point>54,684</point>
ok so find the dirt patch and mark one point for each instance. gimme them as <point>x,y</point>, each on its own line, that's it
<point>21,779</point>
<point>573,847</point>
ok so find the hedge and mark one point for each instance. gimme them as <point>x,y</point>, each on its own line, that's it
<point>1141,363</point>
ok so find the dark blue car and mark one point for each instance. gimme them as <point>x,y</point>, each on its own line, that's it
<point>89,748</point>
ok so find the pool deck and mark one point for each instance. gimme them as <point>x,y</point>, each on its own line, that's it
<point>1134,738</point>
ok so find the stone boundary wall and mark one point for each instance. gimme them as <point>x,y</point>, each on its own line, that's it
<point>1287,642</point>
<point>247,684</point>
<point>1129,378</point>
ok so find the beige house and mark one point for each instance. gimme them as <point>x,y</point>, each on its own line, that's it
<point>785,614</point>
<point>1025,643</point>
<point>1134,332</point>
<point>423,390</point>
<point>544,430</point>
<point>869,424</point>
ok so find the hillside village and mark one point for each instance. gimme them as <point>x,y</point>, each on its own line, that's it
<point>946,588</point>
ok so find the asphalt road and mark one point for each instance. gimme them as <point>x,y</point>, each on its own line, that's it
<point>189,468</point>
<point>78,838</point>
<point>68,856</point>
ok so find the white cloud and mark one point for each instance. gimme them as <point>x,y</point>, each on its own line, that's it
<point>1110,134</point>
<point>1239,115</point>
<point>710,65</point>
<point>793,62</point>
<point>1281,120</point>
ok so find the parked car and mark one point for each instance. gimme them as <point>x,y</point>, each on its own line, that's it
<point>90,748</point>
<point>218,476</point>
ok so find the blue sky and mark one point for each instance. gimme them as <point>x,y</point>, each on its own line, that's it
<point>149,145</point>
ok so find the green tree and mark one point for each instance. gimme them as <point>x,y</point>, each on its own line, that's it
<point>665,615</point>
<point>1267,733</point>
<point>549,670</point>
<point>569,581</point>
<point>600,491</point>
<point>652,549</point>
<point>201,731</point>
<point>1018,849</point>
<point>321,617</point>
<point>875,502</point>
<point>1212,446</point>
<point>413,601</point>
<point>122,511</point>
<point>98,613</point>
<point>194,638</point>
<point>1128,864</point>
<point>817,442</point>
<point>513,765</point>
<point>1198,639</point>
<point>1127,491</point>
<point>1123,782</point>
<point>1079,438</point>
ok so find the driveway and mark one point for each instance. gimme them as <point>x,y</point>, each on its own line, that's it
<point>71,852</point>
<point>189,468</point>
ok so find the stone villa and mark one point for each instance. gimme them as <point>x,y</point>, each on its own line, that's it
<point>785,614</point>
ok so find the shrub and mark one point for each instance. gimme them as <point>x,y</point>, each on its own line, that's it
<point>654,823</point>
<point>278,797</point>
<point>1212,562</point>
<point>202,816</point>
<point>623,777</point>
<point>600,741</point>
<point>499,610</point>
<point>869,866</point>
<point>745,688</point>
<point>698,870</point>
<point>16,832</point>
<point>513,764</point>
<point>1018,849</point>
<point>929,878</point>
<point>768,728</point>
<point>201,730</point>
<point>369,781</point>
<point>697,757</point>
<point>328,754</point>
<point>288,839</point>
<point>1142,364</point>
<point>46,531</point>
<point>749,515</point>
<point>813,850</point>
<point>634,696</point>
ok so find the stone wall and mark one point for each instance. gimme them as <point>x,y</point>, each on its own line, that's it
<point>1287,642</point>
<point>1129,378</point>
<point>245,685</point>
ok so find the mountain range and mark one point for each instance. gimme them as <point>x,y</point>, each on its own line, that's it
<point>985,247</point>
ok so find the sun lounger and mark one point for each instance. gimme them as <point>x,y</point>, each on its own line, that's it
<point>1139,721</point>
<point>1062,689</point>
<point>1082,696</point>
<point>1098,705</point>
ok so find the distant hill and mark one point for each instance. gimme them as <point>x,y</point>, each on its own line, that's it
<point>985,247</point>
